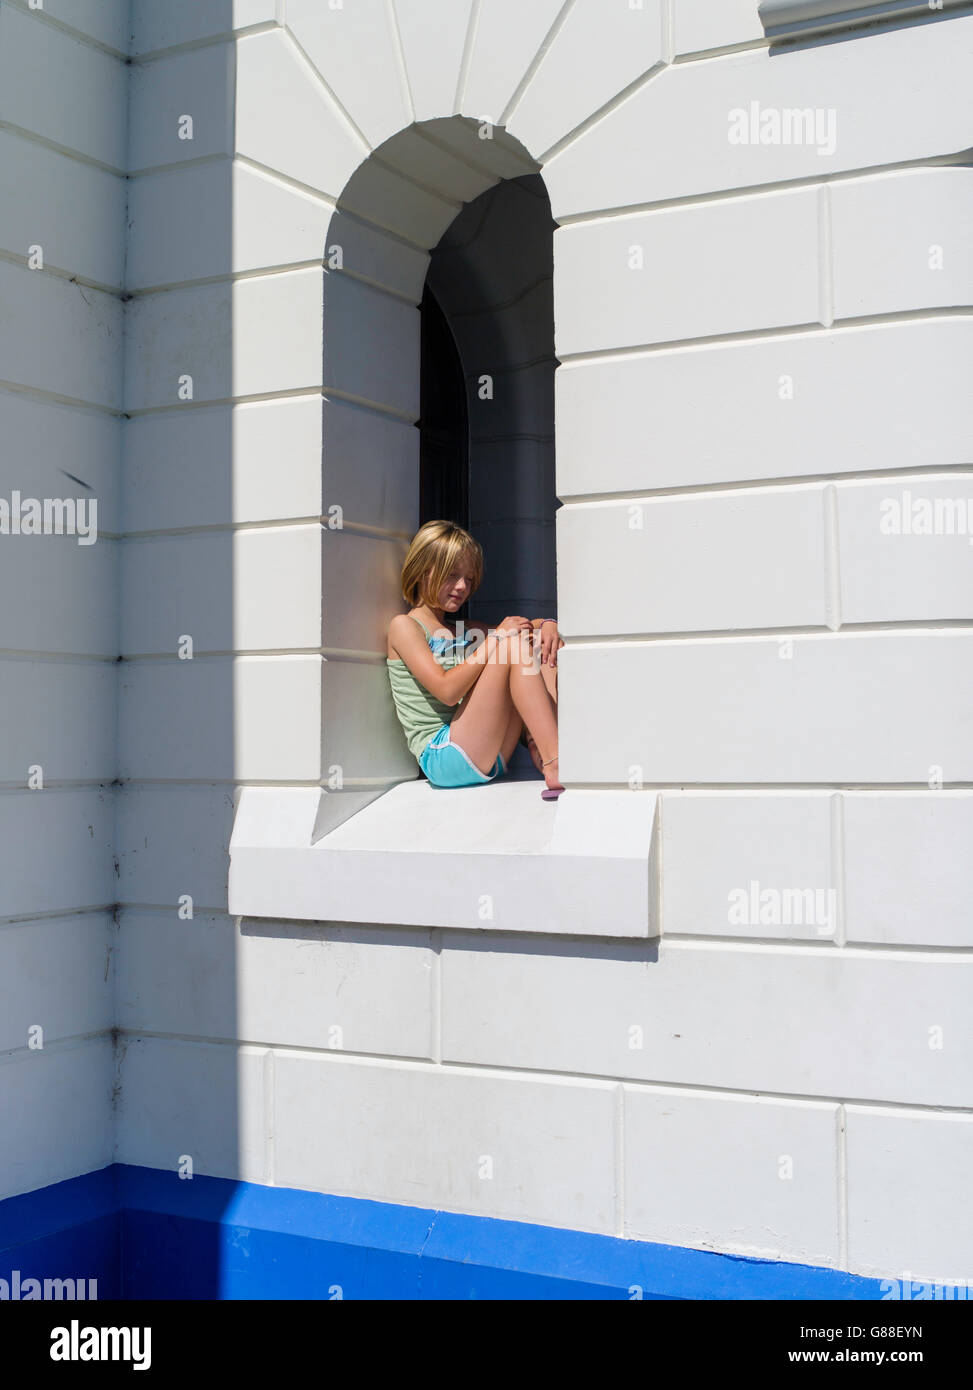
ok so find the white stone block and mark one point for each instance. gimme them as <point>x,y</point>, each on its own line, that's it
<point>209,221</point>
<point>741,1174</point>
<point>845,707</point>
<point>157,26</point>
<point>889,573</point>
<point>433,35</point>
<point>716,847</point>
<point>71,586</point>
<point>61,89</point>
<point>353,48</point>
<point>91,241</point>
<point>204,1101</point>
<point>253,719</point>
<point>740,559</point>
<point>285,118</point>
<point>900,242</point>
<point>779,408</point>
<point>181,107</point>
<point>214,465</point>
<point>42,438</point>
<point>428,164</point>
<point>372,255</point>
<point>60,339</point>
<point>385,198</point>
<point>800,1020</point>
<point>335,988</point>
<point>248,590</point>
<point>258,336</point>
<point>54,976</point>
<point>909,879</point>
<point>361,577</point>
<point>62,1098</point>
<point>277,333</point>
<point>75,827</point>
<point>371,468</point>
<point>524,1150</point>
<point>919,1166</point>
<point>509,36</point>
<point>61,714</point>
<point>106,21</point>
<point>356,317</point>
<point>296,985</point>
<point>700,25</point>
<point>618,163</point>
<point>727,267</point>
<point>362,737</point>
<point>598,52</point>
<point>483,144</point>
<point>172,841</point>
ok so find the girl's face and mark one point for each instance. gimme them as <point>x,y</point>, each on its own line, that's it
<point>457,587</point>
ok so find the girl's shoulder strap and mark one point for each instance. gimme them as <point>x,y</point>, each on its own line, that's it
<point>422,625</point>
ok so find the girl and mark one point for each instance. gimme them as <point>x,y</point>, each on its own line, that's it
<point>494,683</point>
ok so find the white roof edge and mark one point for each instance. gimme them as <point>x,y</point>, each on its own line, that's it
<point>797,18</point>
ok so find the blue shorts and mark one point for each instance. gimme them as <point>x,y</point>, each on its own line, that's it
<point>446,765</point>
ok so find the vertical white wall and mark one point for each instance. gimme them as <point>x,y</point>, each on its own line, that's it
<point>62,238</point>
<point>753,1086</point>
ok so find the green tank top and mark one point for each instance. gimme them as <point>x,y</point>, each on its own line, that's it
<point>420,713</point>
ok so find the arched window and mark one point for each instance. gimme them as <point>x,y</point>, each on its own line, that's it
<point>438,311</point>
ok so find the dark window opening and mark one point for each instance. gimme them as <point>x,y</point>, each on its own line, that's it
<point>444,452</point>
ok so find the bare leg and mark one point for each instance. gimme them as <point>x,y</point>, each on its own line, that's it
<point>532,701</point>
<point>506,690</point>
<point>512,737</point>
<point>549,674</point>
<point>483,723</point>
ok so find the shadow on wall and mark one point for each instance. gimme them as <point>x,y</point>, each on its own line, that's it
<point>186,447</point>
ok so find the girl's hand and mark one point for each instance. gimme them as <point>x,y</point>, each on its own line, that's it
<point>511,626</point>
<point>551,642</point>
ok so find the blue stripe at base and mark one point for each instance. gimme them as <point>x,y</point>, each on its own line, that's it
<point>146,1233</point>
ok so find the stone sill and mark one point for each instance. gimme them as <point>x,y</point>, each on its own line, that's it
<point>494,858</point>
<point>792,20</point>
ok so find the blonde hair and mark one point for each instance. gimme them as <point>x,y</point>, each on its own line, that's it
<point>436,547</point>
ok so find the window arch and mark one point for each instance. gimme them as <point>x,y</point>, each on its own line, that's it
<point>455,213</point>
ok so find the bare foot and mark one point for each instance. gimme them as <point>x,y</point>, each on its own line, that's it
<point>551,777</point>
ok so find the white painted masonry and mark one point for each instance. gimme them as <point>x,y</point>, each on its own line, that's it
<point>63,93</point>
<point>773,684</point>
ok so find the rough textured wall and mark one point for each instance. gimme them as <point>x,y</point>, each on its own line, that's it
<point>758,349</point>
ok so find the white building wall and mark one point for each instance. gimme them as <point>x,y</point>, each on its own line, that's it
<point>63,96</point>
<point>748,1086</point>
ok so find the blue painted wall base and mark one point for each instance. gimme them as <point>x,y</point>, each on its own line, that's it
<point>145,1233</point>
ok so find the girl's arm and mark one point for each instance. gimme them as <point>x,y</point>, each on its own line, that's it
<point>448,686</point>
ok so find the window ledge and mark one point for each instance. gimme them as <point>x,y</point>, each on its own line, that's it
<point>798,19</point>
<point>495,857</point>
